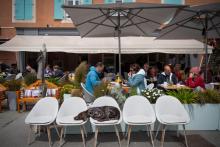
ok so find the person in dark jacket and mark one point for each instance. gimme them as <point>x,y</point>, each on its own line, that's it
<point>167,76</point>
<point>93,77</point>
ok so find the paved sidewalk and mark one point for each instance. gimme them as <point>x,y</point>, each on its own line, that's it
<point>13,133</point>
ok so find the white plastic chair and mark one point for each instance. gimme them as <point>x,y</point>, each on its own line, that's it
<point>150,86</point>
<point>43,114</point>
<point>70,108</point>
<point>169,111</point>
<point>106,101</point>
<point>138,111</point>
<point>88,97</point>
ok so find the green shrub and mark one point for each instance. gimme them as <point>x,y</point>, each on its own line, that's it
<point>185,96</point>
<point>66,89</point>
<point>13,85</point>
<point>30,78</point>
<point>80,73</point>
<point>209,96</point>
<point>54,80</point>
<point>101,90</point>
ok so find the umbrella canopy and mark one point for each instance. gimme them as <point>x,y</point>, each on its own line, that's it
<point>190,23</point>
<point>196,22</point>
<point>120,19</point>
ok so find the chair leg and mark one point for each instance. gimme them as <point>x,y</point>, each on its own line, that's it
<point>96,135</point>
<point>61,136</point>
<point>163,135</point>
<point>84,129</point>
<point>29,135</point>
<point>151,136</point>
<point>157,131</point>
<point>148,131</point>
<point>129,135</point>
<point>49,135</point>
<point>184,129</point>
<point>117,133</point>
<point>83,137</point>
<point>56,129</point>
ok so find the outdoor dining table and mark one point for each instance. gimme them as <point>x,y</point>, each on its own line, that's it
<point>175,87</point>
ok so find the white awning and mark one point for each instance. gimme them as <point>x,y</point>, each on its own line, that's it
<point>76,44</point>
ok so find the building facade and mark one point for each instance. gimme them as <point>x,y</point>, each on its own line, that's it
<point>46,17</point>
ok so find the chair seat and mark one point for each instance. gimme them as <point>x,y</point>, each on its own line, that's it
<point>39,120</point>
<point>139,119</point>
<point>166,118</point>
<point>104,122</point>
<point>69,120</point>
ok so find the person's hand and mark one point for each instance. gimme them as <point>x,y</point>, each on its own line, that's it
<point>191,75</point>
<point>104,80</point>
<point>129,74</point>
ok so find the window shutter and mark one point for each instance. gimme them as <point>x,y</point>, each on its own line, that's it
<point>179,2</point>
<point>127,1</point>
<point>87,2</point>
<point>109,1</point>
<point>58,10</point>
<point>19,10</point>
<point>28,9</point>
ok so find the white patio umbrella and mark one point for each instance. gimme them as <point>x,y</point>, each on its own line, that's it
<point>196,22</point>
<point>120,19</point>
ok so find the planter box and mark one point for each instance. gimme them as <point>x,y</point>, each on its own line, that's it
<point>12,100</point>
<point>203,117</point>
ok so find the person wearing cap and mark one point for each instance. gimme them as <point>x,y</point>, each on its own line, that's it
<point>195,80</point>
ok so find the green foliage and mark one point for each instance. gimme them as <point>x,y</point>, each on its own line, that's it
<point>66,89</point>
<point>30,78</point>
<point>13,85</point>
<point>133,91</point>
<point>101,90</point>
<point>209,96</point>
<point>80,73</point>
<point>152,95</point>
<point>184,95</point>
<point>117,93</point>
<point>54,80</point>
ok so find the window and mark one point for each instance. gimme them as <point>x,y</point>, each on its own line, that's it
<point>24,11</point>
<point>128,1</point>
<point>179,2</point>
<point>71,3</point>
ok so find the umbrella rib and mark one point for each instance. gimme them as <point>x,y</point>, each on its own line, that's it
<point>177,26</point>
<point>89,20</point>
<point>143,17</point>
<point>216,29</point>
<point>109,17</point>
<point>124,24</point>
<point>97,25</point>
<point>102,24</point>
<point>135,25</point>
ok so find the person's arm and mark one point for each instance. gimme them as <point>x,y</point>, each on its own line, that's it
<point>135,81</point>
<point>159,79</point>
<point>191,83</point>
<point>174,79</point>
<point>94,81</point>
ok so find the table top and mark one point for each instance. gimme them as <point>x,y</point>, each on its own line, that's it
<point>175,87</point>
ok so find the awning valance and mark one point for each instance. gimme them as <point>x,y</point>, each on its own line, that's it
<point>76,44</point>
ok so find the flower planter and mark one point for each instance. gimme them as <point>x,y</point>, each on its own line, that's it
<point>76,92</point>
<point>12,100</point>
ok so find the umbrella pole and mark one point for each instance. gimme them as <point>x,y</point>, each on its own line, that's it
<point>206,48</point>
<point>119,43</point>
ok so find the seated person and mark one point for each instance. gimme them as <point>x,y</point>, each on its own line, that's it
<point>57,72</point>
<point>195,80</point>
<point>136,77</point>
<point>93,77</point>
<point>152,76</point>
<point>167,76</point>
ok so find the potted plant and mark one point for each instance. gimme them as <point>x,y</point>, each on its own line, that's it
<point>13,86</point>
<point>30,78</point>
<point>80,76</point>
<point>152,95</point>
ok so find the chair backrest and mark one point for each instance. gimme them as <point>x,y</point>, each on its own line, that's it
<point>150,86</point>
<point>47,106</point>
<point>72,106</point>
<point>170,105</point>
<point>105,101</point>
<point>86,94</point>
<point>138,105</point>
